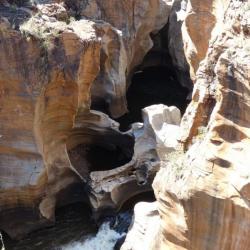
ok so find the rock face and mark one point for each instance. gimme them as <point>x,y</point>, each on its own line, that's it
<point>57,59</point>
<point>64,71</point>
<point>162,123</point>
<point>201,22</point>
<point>203,188</point>
<point>176,42</point>
<point>110,189</point>
<point>144,227</point>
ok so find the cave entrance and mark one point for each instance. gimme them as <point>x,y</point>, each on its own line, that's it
<point>159,79</point>
<point>153,85</point>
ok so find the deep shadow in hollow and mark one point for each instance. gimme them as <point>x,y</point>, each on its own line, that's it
<point>102,158</point>
<point>73,221</point>
<point>153,85</point>
<point>104,153</point>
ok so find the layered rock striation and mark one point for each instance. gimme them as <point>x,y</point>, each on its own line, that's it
<point>64,72</point>
<point>57,59</point>
<point>203,188</point>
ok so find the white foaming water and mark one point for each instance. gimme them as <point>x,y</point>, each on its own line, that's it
<point>105,239</point>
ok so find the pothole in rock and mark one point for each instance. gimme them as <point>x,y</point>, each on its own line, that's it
<point>123,219</point>
<point>104,153</point>
<point>153,85</point>
<point>120,222</point>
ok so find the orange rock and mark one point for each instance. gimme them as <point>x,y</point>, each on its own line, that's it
<point>51,67</point>
<point>203,194</point>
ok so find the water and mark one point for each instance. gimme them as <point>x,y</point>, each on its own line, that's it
<point>2,247</point>
<point>110,235</point>
<point>76,230</point>
<point>106,238</point>
<point>73,223</point>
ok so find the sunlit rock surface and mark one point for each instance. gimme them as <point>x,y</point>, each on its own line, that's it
<point>144,227</point>
<point>156,135</point>
<point>203,195</point>
<point>202,20</point>
<point>162,128</point>
<point>58,57</point>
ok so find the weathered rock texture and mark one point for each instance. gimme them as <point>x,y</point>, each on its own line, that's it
<point>112,188</point>
<point>144,227</point>
<point>204,194</point>
<point>56,59</point>
<point>161,128</point>
<point>176,42</point>
<point>60,57</point>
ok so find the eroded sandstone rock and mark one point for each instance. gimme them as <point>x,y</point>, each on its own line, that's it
<point>176,42</point>
<point>60,57</point>
<point>144,227</point>
<point>203,194</point>
<point>54,63</point>
<point>158,133</point>
<point>202,20</point>
<point>162,128</point>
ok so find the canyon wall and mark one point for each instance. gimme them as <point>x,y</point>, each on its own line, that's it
<point>203,188</point>
<point>64,71</point>
<point>57,59</point>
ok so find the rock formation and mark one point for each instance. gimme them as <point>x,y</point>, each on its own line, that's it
<point>203,195</point>
<point>65,67</point>
<point>176,42</point>
<point>58,58</point>
<point>162,123</point>
<point>108,187</point>
<point>143,230</point>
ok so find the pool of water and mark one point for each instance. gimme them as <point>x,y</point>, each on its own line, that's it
<point>73,223</point>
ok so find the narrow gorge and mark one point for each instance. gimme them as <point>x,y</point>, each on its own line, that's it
<point>123,124</point>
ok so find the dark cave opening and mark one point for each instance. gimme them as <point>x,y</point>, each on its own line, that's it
<point>153,85</point>
<point>100,158</point>
<point>107,158</point>
<point>105,152</point>
<point>77,210</point>
<point>157,80</point>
